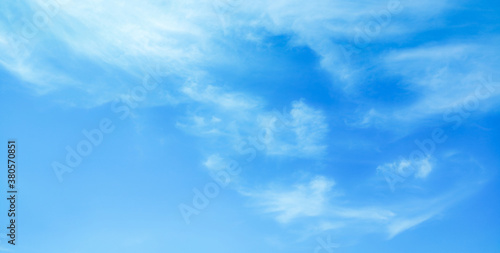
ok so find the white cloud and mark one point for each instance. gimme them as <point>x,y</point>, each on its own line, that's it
<point>215,162</point>
<point>303,200</point>
<point>299,132</point>
<point>214,95</point>
<point>235,118</point>
<point>117,41</point>
<point>314,199</point>
<point>406,168</point>
<point>448,78</point>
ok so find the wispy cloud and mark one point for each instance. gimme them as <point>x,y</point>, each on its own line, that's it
<point>404,168</point>
<point>402,225</point>
<point>298,132</point>
<point>303,200</point>
<point>186,37</point>
<point>444,77</point>
<point>303,135</point>
<point>214,95</point>
<point>319,207</point>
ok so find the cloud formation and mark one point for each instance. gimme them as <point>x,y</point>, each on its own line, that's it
<point>302,200</point>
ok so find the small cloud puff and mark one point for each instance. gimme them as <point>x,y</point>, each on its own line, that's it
<point>400,171</point>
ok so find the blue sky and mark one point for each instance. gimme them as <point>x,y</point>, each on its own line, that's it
<point>237,126</point>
